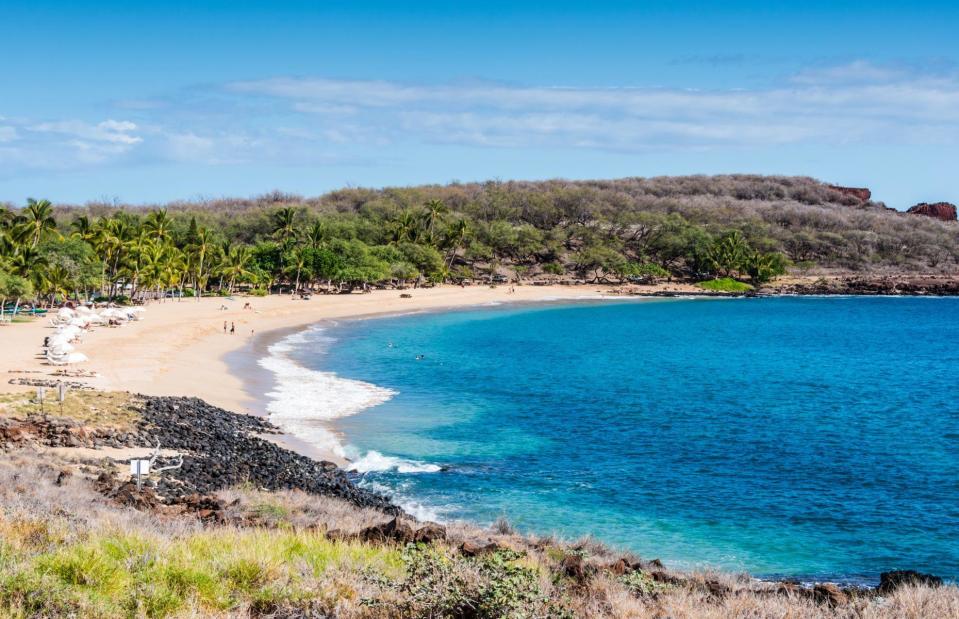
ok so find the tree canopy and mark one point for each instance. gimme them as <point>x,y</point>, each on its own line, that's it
<point>747,227</point>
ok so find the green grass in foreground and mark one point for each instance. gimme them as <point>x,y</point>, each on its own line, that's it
<point>123,574</point>
<point>725,284</point>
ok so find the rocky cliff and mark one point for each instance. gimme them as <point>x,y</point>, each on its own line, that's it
<point>860,193</point>
<point>940,210</point>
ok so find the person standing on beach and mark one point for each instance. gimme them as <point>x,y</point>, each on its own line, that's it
<point>232,328</point>
<point>224,327</point>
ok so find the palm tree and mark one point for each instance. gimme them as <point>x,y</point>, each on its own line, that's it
<point>175,269</point>
<point>158,225</point>
<point>138,246</point>
<point>37,222</point>
<point>729,253</point>
<point>7,244</point>
<point>435,209</point>
<point>455,236</point>
<point>201,248</point>
<point>235,263</point>
<point>56,280</point>
<point>405,227</point>
<point>151,268</point>
<point>83,228</point>
<point>118,238</point>
<point>316,233</point>
<point>27,262</point>
<point>284,224</point>
<point>299,261</point>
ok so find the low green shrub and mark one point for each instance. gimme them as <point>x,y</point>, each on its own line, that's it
<point>725,284</point>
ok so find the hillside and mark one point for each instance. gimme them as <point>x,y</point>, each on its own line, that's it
<point>751,228</point>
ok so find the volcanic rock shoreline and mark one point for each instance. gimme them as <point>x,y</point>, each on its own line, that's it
<point>223,449</point>
<point>220,449</point>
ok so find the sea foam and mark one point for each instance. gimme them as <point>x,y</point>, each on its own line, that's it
<point>304,400</point>
<point>375,462</point>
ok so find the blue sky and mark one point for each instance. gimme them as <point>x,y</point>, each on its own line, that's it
<point>147,102</point>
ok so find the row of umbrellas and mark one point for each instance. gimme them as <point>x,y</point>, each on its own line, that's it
<point>70,325</point>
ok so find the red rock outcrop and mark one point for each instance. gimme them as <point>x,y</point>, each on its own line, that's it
<point>860,193</point>
<point>940,210</point>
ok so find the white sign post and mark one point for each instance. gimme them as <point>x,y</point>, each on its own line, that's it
<point>61,394</point>
<point>139,468</point>
<point>41,391</point>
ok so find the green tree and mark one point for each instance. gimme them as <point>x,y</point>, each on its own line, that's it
<point>36,222</point>
<point>729,253</point>
<point>435,209</point>
<point>599,261</point>
<point>284,225</point>
<point>13,287</point>
<point>764,267</point>
<point>236,264</point>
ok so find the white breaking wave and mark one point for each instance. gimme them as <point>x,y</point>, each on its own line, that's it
<point>305,400</point>
<point>374,461</point>
<point>420,511</point>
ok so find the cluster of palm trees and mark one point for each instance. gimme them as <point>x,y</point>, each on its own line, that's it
<point>134,256</point>
<point>113,257</point>
<point>731,254</point>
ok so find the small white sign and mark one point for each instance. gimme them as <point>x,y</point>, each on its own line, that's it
<point>139,467</point>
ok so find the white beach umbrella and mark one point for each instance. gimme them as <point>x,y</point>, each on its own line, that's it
<point>68,330</point>
<point>60,359</point>
<point>112,313</point>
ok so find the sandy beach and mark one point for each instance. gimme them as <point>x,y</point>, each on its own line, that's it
<point>180,348</point>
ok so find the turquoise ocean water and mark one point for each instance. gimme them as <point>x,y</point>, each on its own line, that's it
<point>807,437</point>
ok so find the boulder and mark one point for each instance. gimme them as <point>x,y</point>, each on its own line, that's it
<point>620,567</point>
<point>472,549</point>
<point>890,581</point>
<point>717,589</point>
<point>429,533</point>
<point>829,594</point>
<point>789,588</point>
<point>860,193</point>
<point>576,568</point>
<point>395,530</point>
<point>336,535</point>
<point>939,210</point>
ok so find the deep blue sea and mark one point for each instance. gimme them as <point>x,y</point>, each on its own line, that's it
<point>807,437</point>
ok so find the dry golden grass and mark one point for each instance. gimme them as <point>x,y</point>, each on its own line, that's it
<point>64,549</point>
<point>96,409</point>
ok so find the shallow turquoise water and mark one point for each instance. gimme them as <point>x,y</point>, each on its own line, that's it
<point>811,437</point>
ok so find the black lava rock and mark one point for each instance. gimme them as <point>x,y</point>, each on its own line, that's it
<point>223,449</point>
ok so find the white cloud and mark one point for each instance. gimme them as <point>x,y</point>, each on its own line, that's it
<point>854,102</point>
<point>306,121</point>
<point>113,131</point>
